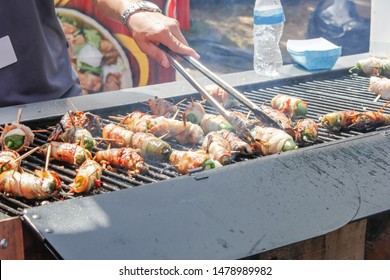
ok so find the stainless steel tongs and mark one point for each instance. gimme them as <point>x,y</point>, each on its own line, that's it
<point>236,122</point>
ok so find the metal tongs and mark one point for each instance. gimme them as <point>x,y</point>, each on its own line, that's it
<point>235,121</point>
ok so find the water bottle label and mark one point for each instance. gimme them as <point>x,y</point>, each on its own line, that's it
<point>274,16</point>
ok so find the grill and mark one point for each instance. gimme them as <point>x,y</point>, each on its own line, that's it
<point>165,215</point>
<point>345,92</point>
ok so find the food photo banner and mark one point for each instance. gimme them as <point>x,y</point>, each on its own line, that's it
<point>102,51</point>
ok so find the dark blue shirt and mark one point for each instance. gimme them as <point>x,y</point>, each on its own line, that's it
<point>43,70</point>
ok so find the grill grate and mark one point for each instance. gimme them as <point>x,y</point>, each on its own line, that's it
<point>323,96</point>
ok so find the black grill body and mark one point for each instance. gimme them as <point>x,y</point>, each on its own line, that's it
<point>248,207</point>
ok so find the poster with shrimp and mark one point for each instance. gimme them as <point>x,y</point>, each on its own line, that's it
<point>102,51</point>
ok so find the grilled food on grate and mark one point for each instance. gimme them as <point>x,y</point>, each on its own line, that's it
<point>184,161</point>
<point>40,185</point>
<point>148,145</point>
<point>127,158</point>
<point>87,177</point>
<point>291,106</point>
<point>184,133</point>
<point>67,152</point>
<point>8,160</point>
<point>353,120</point>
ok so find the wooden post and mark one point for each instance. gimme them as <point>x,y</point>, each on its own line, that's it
<point>378,237</point>
<point>346,243</point>
<point>11,238</point>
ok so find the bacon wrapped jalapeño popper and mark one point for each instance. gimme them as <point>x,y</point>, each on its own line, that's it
<point>87,177</point>
<point>16,137</point>
<point>149,146</point>
<point>127,158</point>
<point>381,86</point>
<point>289,105</point>
<point>138,121</point>
<point>269,140</point>
<point>183,132</point>
<point>281,118</point>
<point>371,66</point>
<point>162,107</point>
<point>77,134</point>
<point>194,112</point>
<point>338,120</point>
<point>67,152</point>
<point>184,161</point>
<point>86,120</point>
<point>369,120</point>
<point>306,132</point>
<point>40,185</point>
<point>217,147</point>
<point>221,96</point>
<point>236,143</point>
<point>117,135</point>
<point>211,123</point>
<point>8,160</point>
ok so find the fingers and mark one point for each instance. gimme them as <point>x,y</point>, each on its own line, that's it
<point>155,53</point>
<point>152,50</point>
<point>181,47</point>
<point>177,43</point>
<point>151,29</point>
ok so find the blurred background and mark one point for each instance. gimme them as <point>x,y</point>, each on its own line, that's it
<point>221,30</point>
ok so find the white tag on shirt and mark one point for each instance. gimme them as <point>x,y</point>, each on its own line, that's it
<point>7,53</point>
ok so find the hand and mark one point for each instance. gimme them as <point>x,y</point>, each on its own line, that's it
<point>150,29</point>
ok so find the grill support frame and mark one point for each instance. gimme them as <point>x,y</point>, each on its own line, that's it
<point>249,210</point>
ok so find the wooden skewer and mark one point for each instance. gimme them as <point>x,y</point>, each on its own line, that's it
<point>175,115</point>
<point>117,141</point>
<point>26,154</point>
<point>48,157</point>
<point>162,136</point>
<point>19,115</point>
<point>384,106</point>
<point>83,146</point>
<point>40,130</point>
<point>377,98</point>
<point>82,141</point>
<point>71,104</point>
<point>184,119</point>
<point>71,119</point>
<point>116,118</point>
<point>105,139</point>
<point>178,103</point>
<point>99,142</point>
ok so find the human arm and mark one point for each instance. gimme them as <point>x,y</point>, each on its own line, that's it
<point>149,29</point>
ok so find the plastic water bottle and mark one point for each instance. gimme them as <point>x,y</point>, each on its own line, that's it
<point>267,31</point>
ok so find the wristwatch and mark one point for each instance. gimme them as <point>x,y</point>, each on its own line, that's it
<point>139,7</point>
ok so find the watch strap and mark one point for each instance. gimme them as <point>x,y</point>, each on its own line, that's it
<point>138,7</point>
